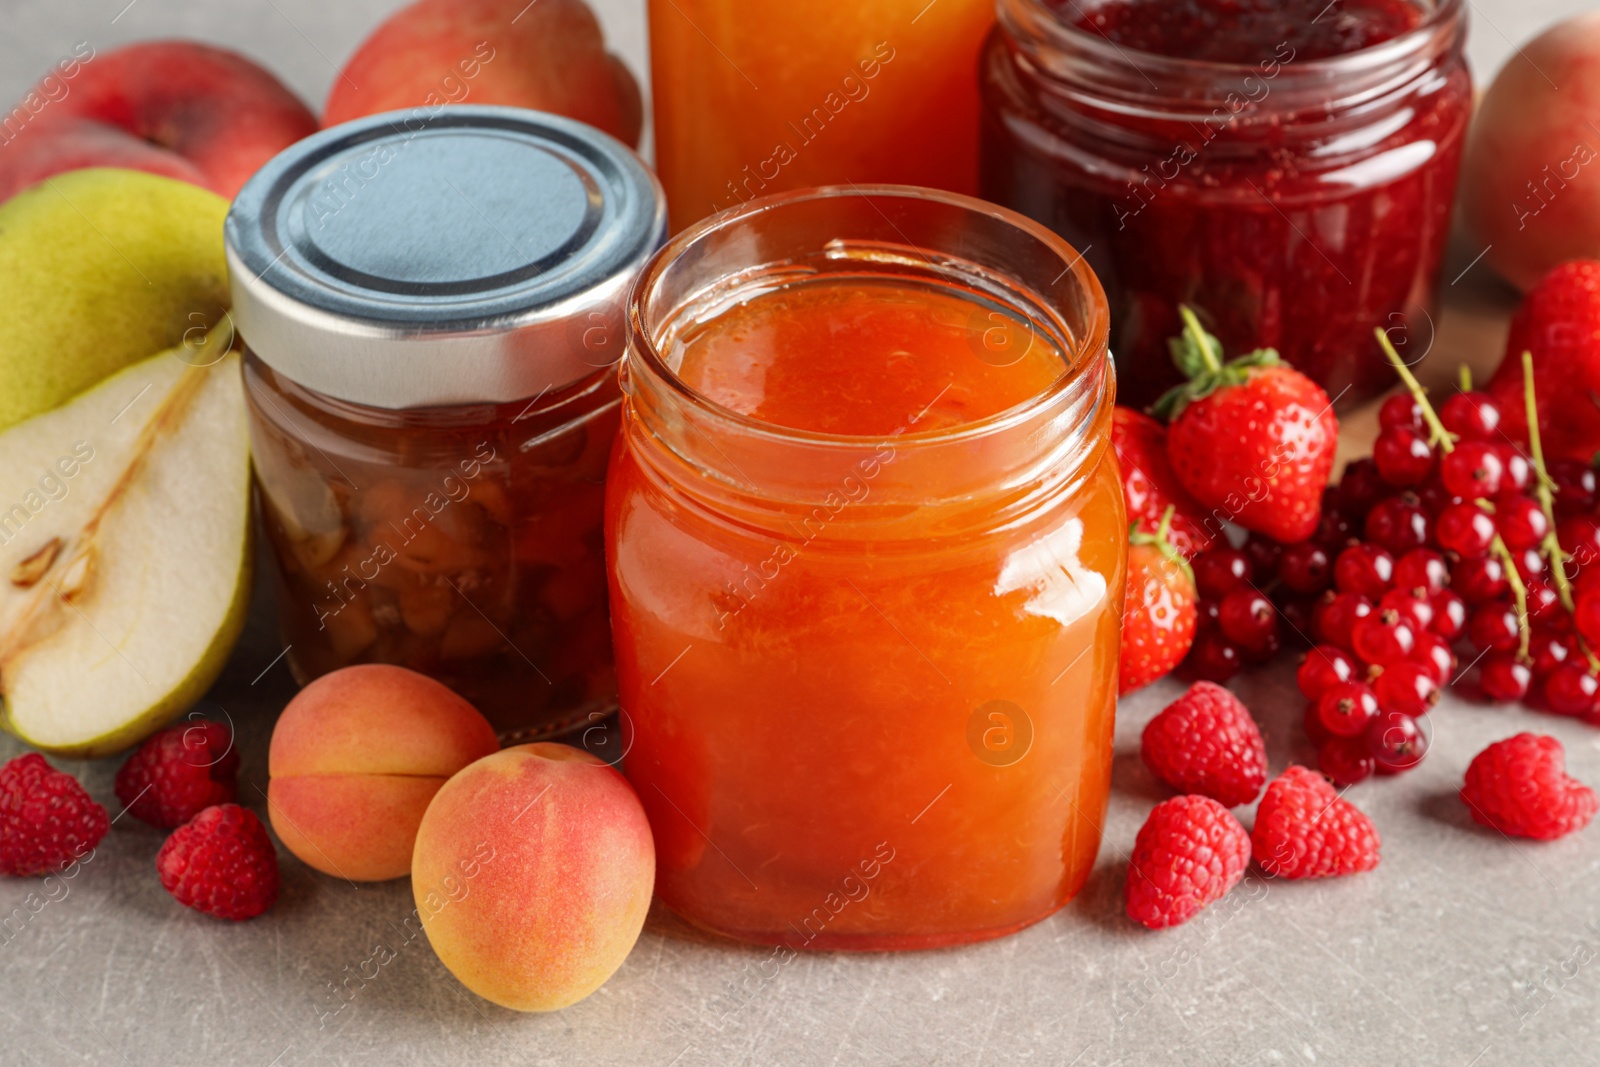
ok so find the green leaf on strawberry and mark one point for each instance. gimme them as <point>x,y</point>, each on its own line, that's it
<point>1198,355</point>
<point>1251,439</point>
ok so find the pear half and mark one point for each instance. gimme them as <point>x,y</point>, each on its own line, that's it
<point>124,551</point>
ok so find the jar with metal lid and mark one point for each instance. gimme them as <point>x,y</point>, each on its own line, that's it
<point>432,304</point>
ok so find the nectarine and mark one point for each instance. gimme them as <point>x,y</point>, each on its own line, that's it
<point>1531,178</point>
<point>532,874</point>
<point>355,759</point>
<point>176,108</point>
<point>548,56</point>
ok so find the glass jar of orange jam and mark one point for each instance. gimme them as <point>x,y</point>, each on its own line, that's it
<point>868,549</point>
<point>752,99</point>
<point>433,305</point>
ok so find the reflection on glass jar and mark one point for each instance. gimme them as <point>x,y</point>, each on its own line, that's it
<point>868,550</point>
<point>1289,173</point>
<point>432,412</point>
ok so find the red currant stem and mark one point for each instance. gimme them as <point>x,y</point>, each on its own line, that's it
<point>1465,374</point>
<point>1197,334</point>
<point>1438,435</point>
<point>1531,409</point>
<point>1446,443</point>
<point>1519,592</point>
<point>1545,489</point>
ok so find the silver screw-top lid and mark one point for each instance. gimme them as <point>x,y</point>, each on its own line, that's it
<point>464,255</point>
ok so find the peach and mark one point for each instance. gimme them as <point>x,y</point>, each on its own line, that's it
<point>549,56</point>
<point>1531,178</point>
<point>532,874</point>
<point>176,108</point>
<point>356,758</point>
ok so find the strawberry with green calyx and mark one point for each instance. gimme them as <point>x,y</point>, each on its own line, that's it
<point>1252,439</point>
<point>1160,613</point>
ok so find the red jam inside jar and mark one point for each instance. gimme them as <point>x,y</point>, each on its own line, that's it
<point>1242,31</point>
<point>1287,169</point>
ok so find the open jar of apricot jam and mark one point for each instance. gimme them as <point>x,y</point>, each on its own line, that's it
<point>433,305</point>
<point>868,549</point>
<point>1286,167</point>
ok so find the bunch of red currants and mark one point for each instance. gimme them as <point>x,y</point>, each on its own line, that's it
<point>1450,537</point>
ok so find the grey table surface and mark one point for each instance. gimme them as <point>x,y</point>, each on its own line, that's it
<point>1462,948</point>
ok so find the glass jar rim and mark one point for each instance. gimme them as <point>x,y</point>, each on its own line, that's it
<point>1038,15</point>
<point>1092,67</point>
<point>1083,346</point>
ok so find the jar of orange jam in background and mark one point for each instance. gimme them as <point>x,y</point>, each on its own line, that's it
<point>433,307</point>
<point>759,98</point>
<point>868,549</point>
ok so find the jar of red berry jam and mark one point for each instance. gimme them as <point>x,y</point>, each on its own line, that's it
<point>433,305</point>
<point>1285,166</point>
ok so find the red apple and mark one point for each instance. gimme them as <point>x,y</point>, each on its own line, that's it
<point>548,56</point>
<point>176,108</point>
<point>1531,178</point>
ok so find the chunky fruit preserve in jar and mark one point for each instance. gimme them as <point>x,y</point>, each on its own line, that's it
<point>868,550</point>
<point>433,307</point>
<point>1288,168</point>
<point>758,98</point>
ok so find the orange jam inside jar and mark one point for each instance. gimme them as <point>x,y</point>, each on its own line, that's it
<point>868,550</point>
<point>433,304</point>
<point>752,99</point>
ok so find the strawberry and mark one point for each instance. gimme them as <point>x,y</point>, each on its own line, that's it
<point>1252,439</point>
<point>1148,484</point>
<point>1559,323</point>
<point>1159,612</point>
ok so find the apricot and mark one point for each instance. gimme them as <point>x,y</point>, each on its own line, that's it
<point>532,874</point>
<point>355,759</point>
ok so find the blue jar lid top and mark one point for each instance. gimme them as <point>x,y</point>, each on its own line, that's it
<point>441,256</point>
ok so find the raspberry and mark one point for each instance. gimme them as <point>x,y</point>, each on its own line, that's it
<point>1206,742</point>
<point>222,863</point>
<point>1520,787</point>
<point>46,819</point>
<point>1306,830</point>
<point>178,773</point>
<point>1189,852</point>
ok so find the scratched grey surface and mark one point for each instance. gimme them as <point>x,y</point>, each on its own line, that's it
<point>1461,949</point>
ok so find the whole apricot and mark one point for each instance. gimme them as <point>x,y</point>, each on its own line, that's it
<point>355,759</point>
<point>532,874</point>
